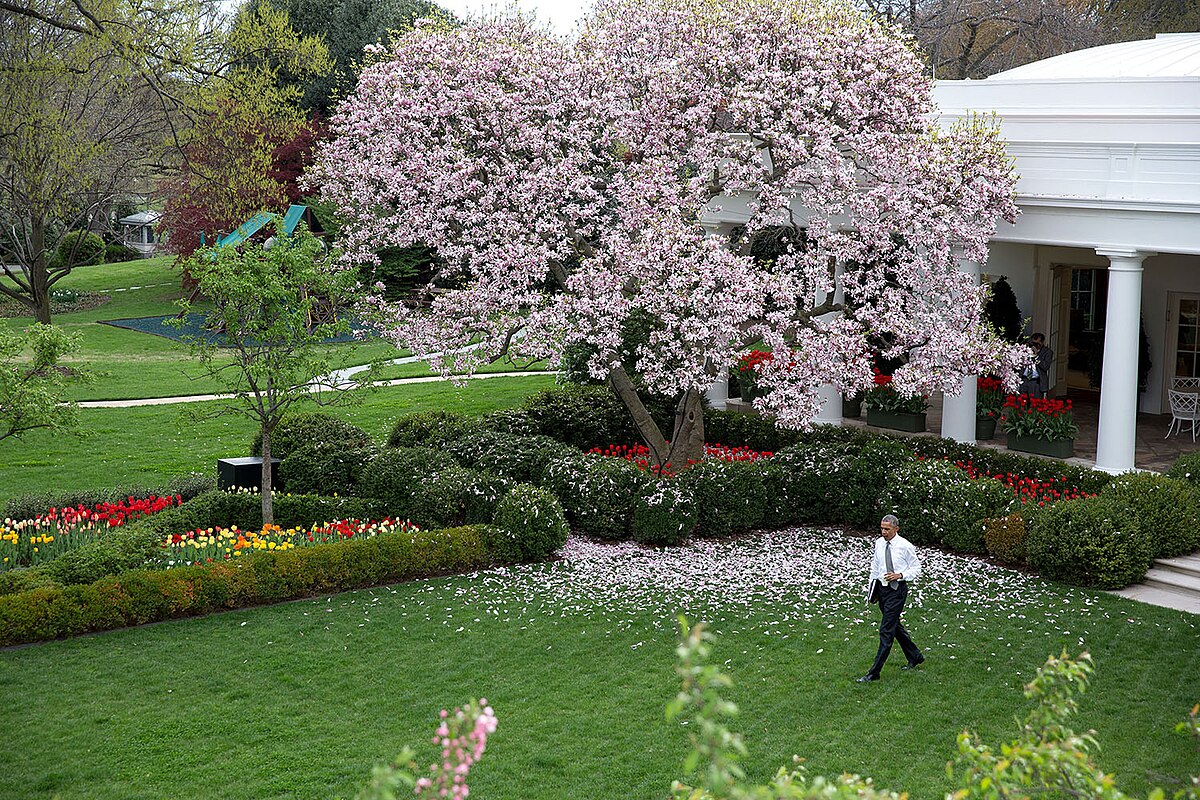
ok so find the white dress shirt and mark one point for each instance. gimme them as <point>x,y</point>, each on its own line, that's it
<point>904,560</point>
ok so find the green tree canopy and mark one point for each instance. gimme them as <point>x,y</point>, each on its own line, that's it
<point>33,382</point>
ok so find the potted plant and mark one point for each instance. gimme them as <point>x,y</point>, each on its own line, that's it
<point>887,408</point>
<point>1036,425</point>
<point>747,373</point>
<point>852,406</point>
<point>989,404</point>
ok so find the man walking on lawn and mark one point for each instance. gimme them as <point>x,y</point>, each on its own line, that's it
<point>894,565</point>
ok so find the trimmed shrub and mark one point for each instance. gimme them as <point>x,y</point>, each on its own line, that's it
<point>393,479</point>
<point>482,492</point>
<point>115,253</point>
<point>440,499</point>
<point>518,458</point>
<point>1093,542</point>
<point>999,462</point>
<point>311,427</point>
<point>738,429</point>
<point>303,510</point>
<point>582,416</point>
<point>811,480</point>
<point>191,485</point>
<point>430,428</point>
<point>325,468</point>
<point>14,581</point>
<point>535,519</point>
<point>730,496</point>
<point>664,514</point>
<point>959,522</point>
<point>79,249</point>
<point>141,596</point>
<point>1168,510</point>
<point>1005,538</point>
<point>507,420</point>
<point>117,551</point>
<point>1186,468</point>
<point>871,468</point>
<point>598,493</point>
<point>916,492</point>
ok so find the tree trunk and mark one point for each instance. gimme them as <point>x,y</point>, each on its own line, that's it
<point>39,272</point>
<point>268,509</point>
<point>687,438</point>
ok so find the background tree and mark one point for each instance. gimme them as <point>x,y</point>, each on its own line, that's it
<point>976,38</point>
<point>242,154</point>
<point>271,308</point>
<point>1126,20</point>
<point>33,381</point>
<point>346,27</point>
<point>77,127</point>
<point>1003,312</point>
<point>565,185</point>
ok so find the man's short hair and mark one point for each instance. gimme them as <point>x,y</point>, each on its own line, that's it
<point>890,519</point>
<point>1038,337</point>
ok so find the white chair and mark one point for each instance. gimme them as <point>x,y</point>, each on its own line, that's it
<point>1185,407</point>
<point>1186,383</point>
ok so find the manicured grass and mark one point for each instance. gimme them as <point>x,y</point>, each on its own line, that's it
<point>420,369</point>
<point>148,444</point>
<point>130,364</point>
<point>300,700</point>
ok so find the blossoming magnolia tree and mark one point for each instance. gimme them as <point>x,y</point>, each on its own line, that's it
<point>566,184</point>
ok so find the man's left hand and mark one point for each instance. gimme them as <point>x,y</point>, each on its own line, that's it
<point>893,576</point>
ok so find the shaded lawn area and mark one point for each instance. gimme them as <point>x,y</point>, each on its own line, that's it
<point>149,444</point>
<point>300,700</point>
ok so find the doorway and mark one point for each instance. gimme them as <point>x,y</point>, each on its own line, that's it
<point>1183,339</point>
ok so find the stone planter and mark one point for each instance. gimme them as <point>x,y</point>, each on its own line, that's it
<point>852,407</point>
<point>985,428</point>
<point>897,420</point>
<point>1055,448</point>
<point>748,391</point>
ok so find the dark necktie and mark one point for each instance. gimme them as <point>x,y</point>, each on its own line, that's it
<point>887,561</point>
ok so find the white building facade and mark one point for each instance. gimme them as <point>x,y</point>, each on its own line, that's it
<point>1106,142</point>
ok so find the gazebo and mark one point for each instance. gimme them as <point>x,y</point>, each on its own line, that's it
<point>137,232</point>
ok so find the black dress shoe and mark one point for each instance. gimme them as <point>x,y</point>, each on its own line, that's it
<point>866,678</point>
<point>913,664</point>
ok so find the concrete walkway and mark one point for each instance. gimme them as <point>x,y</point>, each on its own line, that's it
<point>200,398</point>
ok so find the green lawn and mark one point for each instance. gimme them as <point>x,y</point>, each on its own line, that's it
<point>300,700</point>
<point>149,444</point>
<point>132,364</point>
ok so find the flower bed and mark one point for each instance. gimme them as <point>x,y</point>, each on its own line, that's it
<point>30,542</point>
<point>884,397</point>
<point>1039,418</point>
<point>639,455</point>
<point>1024,488</point>
<point>214,544</point>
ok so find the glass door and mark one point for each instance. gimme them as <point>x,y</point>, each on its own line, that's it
<point>1183,340</point>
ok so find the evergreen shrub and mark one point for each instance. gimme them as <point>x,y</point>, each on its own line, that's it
<point>325,468</point>
<point>518,458</point>
<point>311,427</point>
<point>871,468</point>
<point>535,519</point>
<point>393,479</point>
<point>664,514</point>
<point>599,494</point>
<point>115,253</point>
<point>1095,542</point>
<point>960,518</point>
<point>730,496</point>
<point>430,428</point>
<point>1168,510</point>
<point>1005,538</point>
<point>1186,468</point>
<point>79,249</point>
<point>916,492</point>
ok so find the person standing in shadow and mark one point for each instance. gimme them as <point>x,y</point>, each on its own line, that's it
<point>894,565</point>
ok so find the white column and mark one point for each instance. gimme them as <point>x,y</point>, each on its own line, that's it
<point>1115,441</point>
<point>831,396</point>
<point>958,410</point>
<point>718,394</point>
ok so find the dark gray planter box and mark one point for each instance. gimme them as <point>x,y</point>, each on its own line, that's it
<point>985,428</point>
<point>245,473</point>
<point>852,407</point>
<point>1056,448</point>
<point>897,420</point>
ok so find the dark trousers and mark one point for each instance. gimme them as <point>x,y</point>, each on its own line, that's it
<point>891,603</point>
